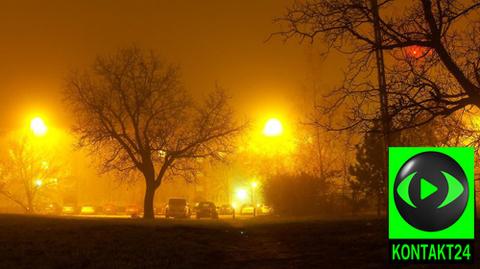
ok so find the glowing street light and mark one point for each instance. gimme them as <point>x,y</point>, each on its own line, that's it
<point>254,184</point>
<point>44,165</point>
<point>242,194</point>
<point>38,183</point>
<point>38,127</point>
<point>273,127</point>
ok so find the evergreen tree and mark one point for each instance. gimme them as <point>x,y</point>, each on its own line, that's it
<point>367,182</point>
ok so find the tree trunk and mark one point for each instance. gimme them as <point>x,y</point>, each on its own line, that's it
<point>148,202</point>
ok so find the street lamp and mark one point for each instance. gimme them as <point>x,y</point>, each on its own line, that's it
<point>273,127</point>
<point>242,194</point>
<point>38,127</point>
<point>254,185</point>
<point>38,182</point>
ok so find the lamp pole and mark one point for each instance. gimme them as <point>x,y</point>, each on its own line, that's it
<point>382,85</point>
<point>254,187</point>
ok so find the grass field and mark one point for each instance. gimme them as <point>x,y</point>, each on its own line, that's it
<point>49,242</point>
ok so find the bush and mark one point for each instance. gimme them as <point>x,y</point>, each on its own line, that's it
<point>300,194</point>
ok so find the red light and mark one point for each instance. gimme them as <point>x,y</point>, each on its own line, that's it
<point>416,52</point>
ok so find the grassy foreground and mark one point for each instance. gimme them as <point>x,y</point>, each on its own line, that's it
<point>49,242</point>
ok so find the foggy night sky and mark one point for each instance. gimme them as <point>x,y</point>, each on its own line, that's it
<point>213,42</point>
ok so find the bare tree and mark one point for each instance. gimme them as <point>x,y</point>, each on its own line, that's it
<point>132,109</point>
<point>27,169</point>
<point>432,60</point>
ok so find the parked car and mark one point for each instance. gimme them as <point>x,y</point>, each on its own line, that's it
<point>132,210</point>
<point>177,208</point>
<point>206,210</point>
<point>52,209</point>
<point>160,210</point>
<point>109,209</point>
<point>121,210</point>
<point>265,210</point>
<point>69,209</point>
<point>247,210</point>
<point>88,210</point>
<point>225,210</point>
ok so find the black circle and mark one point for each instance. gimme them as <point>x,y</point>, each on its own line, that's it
<point>427,215</point>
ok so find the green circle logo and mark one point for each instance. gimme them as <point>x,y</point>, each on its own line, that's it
<point>431,191</point>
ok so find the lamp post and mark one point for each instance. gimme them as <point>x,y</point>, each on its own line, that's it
<point>38,127</point>
<point>273,127</point>
<point>254,186</point>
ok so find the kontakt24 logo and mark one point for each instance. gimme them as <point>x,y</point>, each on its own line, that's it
<point>431,205</point>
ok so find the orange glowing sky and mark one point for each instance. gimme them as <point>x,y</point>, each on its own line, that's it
<point>213,41</point>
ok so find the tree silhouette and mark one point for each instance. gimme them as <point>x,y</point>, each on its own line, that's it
<point>368,170</point>
<point>133,111</point>
<point>432,69</point>
<point>27,168</point>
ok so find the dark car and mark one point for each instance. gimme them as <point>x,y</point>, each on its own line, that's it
<point>159,210</point>
<point>225,210</point>
<point>133,211</point>
<point>121,210</point>
<point>207,210</point>
<point>177,208</point>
